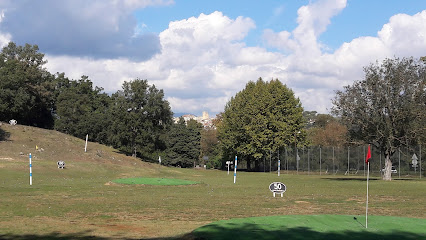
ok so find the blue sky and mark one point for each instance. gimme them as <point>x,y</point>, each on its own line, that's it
<point>203,52</point>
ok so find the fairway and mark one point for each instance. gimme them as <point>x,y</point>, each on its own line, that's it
<point>80,202</point>
<point>154,181</point>
<point>314,227</point>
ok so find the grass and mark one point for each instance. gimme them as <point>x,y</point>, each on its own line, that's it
<point>154,181</point>
<point>80,202</point>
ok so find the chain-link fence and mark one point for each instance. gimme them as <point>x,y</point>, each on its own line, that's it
<point>344,161</point>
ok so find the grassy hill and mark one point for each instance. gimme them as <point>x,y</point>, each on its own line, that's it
<point>81,202</point>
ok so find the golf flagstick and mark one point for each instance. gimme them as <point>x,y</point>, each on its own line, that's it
<point>368,176</point>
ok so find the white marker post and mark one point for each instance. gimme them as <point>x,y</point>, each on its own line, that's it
<point>228,162</point>
<point>279,163</point>
<point>31,172</point>
<point>235,170</point>
<point>85,146</point>
<point>159,160</point>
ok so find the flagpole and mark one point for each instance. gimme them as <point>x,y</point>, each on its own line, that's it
<point>366,209</point>
<point>367,158</point>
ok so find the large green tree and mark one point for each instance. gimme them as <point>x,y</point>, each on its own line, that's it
<point>183,144</point>
<point>387,108</point>
<point>82,109</point>
<point>24,86</point>
<point>263,117</point>
<point>139,118</point>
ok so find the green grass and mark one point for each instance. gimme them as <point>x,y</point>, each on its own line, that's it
<point>154,181</point>
<point>79,202</point>
<point>314,227</point>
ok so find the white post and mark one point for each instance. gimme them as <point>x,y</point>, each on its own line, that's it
<point>279,163</point>
<point>31,172</point>
<point>420,155</point>
<point>235,170</point>
<point>320,162</point>
<point>85,147</point>
<point>366,209</point>
<point>333,162</point>
<point>228,162</point>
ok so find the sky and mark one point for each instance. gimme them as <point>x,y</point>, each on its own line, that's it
<point>201,53</point>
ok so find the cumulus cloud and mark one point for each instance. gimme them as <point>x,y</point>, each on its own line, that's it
<point>204,61</point>
<point>98,28</point>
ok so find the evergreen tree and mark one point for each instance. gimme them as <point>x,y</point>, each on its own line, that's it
<point>82,109</point>
<point>183,143</point>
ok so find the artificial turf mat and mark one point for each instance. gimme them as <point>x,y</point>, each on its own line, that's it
<point>315,227</point>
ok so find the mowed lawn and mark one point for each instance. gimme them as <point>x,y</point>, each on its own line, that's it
<point>82,201</point>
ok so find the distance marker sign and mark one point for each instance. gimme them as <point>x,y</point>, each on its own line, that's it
<point>277,187</point>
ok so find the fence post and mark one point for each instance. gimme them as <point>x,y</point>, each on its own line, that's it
<point>320,160</point>
<point>333,162</point>
<point>399,162</point>
<point>348,160</point>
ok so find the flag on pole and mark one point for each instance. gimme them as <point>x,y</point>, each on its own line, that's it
<point>367,158</point>
<point>368,154</point>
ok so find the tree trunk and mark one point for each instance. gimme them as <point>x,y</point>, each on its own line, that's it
<point>256,165</point>
<point>388,168</point>
<point>248,163</point>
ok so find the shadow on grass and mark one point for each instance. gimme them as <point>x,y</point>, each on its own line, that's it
<point>76,236</point>
<point>252,231</point>
<point>4,135</point>
<point>241,231</point>
<point>352,179</point>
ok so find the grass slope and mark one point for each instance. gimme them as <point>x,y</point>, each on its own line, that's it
<point>79,202</point>
<point>314,227</point>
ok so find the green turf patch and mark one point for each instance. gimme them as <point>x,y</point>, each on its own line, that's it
<point>154,181</point>
<point>315,227</point>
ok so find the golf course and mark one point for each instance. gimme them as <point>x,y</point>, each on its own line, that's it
<point>103,194</point>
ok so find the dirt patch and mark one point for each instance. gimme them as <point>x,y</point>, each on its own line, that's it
<point>301,202</point>
<point>8,159</point>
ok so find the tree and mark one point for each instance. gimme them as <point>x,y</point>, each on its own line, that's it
<point>82,109</point>
<point>183,145</point>
<point>24,86</point>
<point>139,118</point>
<point>263,117</point>
<point>386,108</point>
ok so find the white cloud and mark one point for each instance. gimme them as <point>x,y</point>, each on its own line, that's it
<point>204,60</point>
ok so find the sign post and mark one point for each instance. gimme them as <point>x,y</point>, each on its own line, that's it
<point>277,187</point>
<point>227,163</point>
<point>235,170</point>
<point>414,162</point>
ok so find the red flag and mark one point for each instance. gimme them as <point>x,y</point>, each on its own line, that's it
<point>368,154</point>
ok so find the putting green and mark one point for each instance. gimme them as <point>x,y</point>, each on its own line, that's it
<point>154,181</point>
<point>315,227</point>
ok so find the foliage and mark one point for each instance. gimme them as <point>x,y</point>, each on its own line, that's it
<point>24,86</point>
<point>183,144</point>
<point>263,117</point>
<point>387,108</point>
<point>139,118</point>
<point>327,131</point>
<point>82,109</point>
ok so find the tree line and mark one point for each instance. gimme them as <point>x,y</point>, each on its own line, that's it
<point>385,109</point>
<point>136,120</point>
